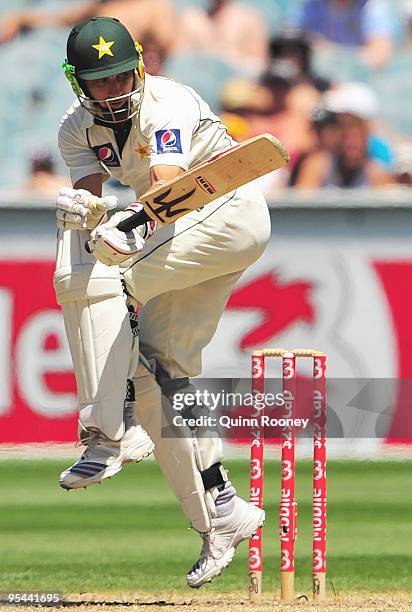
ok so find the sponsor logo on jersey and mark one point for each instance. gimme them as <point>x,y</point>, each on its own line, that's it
<point>107,155</point>
<point>168,141</point>
<point>205,184</point>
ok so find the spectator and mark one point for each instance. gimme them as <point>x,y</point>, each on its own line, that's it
<point>403,164</point>
<point>229,29</point>
<point>345,160</point>
<point>327,132</point>
<point>278,103</point>
<point>407,16</point>
<point>152,20</point>
<point>293,44</point>
<point>291,102</point>
<point>361,100</point>
<point>43,180</point>
<point>241,100</point>
<point>367,24</point>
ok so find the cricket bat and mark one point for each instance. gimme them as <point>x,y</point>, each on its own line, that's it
<point>209,180</point>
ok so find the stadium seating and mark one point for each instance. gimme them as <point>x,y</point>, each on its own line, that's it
<point>35,93</point>
<point>394,88</point>
<point>204,73</point>
<point>340,64</point>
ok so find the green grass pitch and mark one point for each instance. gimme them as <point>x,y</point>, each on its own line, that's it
<point>130,535</point>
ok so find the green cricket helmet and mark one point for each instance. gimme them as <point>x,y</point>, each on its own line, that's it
<point>101,47</point>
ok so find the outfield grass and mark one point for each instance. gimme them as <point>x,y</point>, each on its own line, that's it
<point>130,535</point>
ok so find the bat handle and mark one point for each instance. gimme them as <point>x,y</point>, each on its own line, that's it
<point>127,225</point>
<point>138,218</point>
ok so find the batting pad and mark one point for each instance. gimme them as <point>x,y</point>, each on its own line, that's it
<point>98,330</point>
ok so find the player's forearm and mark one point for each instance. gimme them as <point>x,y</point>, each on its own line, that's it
<point>161,173</point>
<point>92,183</point>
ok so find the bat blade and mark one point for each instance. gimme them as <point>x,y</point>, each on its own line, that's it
<point>209,180</point>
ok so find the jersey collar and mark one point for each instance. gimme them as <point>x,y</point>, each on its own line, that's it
<point>87,121</point>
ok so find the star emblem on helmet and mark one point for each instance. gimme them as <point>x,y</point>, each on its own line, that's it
<point>103,47</point>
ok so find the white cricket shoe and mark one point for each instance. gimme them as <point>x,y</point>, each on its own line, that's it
<point>219,546</point>
<point>104,458</point>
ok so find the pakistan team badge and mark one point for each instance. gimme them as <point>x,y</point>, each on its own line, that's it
<point>103,47</point>
<point>142,150</point>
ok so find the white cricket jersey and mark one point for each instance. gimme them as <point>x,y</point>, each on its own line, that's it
<point>174,127</point>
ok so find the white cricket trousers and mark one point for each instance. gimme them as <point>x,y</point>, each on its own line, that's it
<point>183,278</point>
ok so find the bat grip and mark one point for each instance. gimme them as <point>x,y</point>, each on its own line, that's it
<point>138,218</point>
<point>127,225</point>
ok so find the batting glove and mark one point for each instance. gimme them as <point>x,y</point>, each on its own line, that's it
<point>79,209</point>
<point>113,247</point>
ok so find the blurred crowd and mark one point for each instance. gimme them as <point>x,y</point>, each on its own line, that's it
<point>267,80</point>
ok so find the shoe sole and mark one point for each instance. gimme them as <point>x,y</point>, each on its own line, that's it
<point>227,558</point>
<point>108,472</point>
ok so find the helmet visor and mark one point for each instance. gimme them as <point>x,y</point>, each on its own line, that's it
<point>115,109</point>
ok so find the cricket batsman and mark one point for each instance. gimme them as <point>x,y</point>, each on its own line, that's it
<point>143,130</point>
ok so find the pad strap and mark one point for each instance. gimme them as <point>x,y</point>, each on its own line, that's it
<point>170,386</point>
<point>214,476</point>
<point>130,391</point>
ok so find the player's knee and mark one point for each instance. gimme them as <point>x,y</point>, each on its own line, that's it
<point>86,281</point>
<point>147,391</point>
